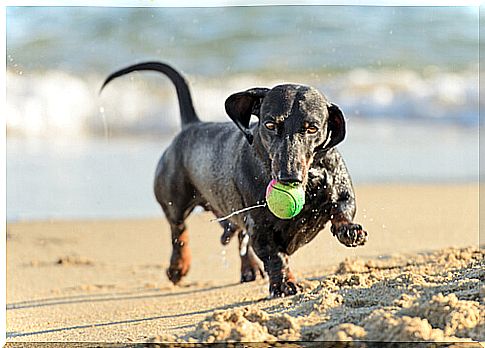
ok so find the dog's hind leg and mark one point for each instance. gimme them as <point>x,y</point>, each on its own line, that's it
<point>181,254</point>
<point>177,203</point>
<point>230,230</point>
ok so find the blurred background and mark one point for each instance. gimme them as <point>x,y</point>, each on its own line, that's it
<point>406,78</point>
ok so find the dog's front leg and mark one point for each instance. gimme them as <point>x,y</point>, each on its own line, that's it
<point>281,280</point>
<point>249,263</point>
<point>342,212</point>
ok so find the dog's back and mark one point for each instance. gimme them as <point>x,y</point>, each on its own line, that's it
<point>197,163</point>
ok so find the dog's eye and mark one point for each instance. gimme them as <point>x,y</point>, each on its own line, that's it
<point>311,130</point>
<point>270,125</point>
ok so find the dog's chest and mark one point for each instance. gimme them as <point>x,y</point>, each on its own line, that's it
<point>314,215</point>
<point>292,234</point>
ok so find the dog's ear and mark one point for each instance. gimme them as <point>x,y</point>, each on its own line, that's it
<point>335,128</point>
<point>240,106</point>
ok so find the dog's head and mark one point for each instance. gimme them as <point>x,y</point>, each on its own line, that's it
<point>295,123</point>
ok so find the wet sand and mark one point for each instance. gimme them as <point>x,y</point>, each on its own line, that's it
<point>416,279</point>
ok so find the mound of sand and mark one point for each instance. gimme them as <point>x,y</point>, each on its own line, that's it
<point>429,297</point>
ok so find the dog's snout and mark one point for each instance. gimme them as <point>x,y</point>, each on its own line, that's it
<point>287,178</point>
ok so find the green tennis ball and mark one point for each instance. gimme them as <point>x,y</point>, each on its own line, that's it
<point>285,201</point>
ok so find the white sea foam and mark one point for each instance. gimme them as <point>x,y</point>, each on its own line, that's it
<point>55,103</point>
<point>47,104</point>
<point>441,96</point>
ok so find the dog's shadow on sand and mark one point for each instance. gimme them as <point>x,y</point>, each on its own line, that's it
<point>119,296</point>
<point>128,295</point>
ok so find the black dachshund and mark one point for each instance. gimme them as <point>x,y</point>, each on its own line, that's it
<point>223,169</point>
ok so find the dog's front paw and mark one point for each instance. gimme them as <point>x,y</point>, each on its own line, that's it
<point>283,289</point>
<point>248,275</point>
<point>350,235</point>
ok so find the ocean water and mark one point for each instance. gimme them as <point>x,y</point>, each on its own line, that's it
<point>405,77</point>
<point>377,62</point>
<point>213,41</point>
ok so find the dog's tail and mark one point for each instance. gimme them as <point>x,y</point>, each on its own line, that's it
<point>186,106</point>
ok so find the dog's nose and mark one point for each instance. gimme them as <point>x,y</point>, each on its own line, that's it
<point>290,179</point>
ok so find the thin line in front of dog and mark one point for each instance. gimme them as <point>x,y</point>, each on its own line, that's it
<point>239,212</point>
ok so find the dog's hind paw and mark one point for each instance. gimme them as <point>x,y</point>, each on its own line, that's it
<point>230,230</point>
<point>350,235</point>
<point>176,274</point>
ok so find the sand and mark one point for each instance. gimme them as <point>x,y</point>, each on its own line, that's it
<point>419,278</point>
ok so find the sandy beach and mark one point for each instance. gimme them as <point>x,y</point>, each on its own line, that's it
<point>417,279</point>
<point>87,246</point>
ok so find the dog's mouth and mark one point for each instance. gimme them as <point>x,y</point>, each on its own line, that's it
<point>299,178</point>
<point>290,180</point>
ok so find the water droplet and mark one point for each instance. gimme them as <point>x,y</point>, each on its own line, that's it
<point>225,263</point>
<point>170,203</point>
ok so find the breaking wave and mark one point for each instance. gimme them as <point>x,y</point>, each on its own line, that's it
<point>55,103</point>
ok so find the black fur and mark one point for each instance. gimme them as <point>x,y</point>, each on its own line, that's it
<point>216,166</point>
